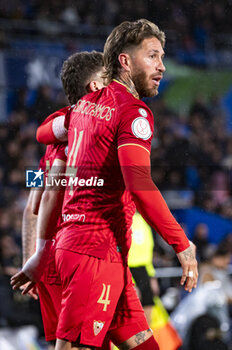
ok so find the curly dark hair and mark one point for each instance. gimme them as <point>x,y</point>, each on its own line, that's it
<point>77,72</point>
<point>124,37</point>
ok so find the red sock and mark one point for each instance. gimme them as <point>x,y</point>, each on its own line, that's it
<point>149,344</point>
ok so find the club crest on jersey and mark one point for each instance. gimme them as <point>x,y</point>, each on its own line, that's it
<point>97,327</point>
<point>143,112</point>
<point>141,128</point>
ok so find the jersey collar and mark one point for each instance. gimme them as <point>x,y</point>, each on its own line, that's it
<point>119,82</point>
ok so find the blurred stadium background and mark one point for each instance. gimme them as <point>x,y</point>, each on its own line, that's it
<point>192,146</point>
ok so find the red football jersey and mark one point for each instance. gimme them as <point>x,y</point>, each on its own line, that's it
<point>97,210</point>
<point>58,151</point>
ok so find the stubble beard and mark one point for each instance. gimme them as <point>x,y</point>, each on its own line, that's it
<point>140,82</point>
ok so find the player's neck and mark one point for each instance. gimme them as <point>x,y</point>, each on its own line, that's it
<point>127,81</point>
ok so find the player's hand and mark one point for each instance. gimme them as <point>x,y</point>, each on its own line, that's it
<point>30,289</point>
<point>188,261</point>
<point>20,279</point>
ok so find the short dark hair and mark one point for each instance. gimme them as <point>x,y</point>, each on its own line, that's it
<point>77,72</point>
<point>124,37</point>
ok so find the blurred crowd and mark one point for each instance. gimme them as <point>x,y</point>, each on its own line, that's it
<point>193,153</point>
<point>195,24</point>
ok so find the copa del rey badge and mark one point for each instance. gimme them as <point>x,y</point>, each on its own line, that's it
<point>141,128</point>
<point>97,327</point>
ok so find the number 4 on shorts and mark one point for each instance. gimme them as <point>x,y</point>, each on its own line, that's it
<point>106,292</point>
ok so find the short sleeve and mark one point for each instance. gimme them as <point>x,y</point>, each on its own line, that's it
<point>136,126</point>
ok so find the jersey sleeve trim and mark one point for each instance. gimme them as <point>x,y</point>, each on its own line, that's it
<point>134,144</point>
<point>58,128</point>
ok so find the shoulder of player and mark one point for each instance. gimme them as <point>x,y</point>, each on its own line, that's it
<point>126,100</point>
<point>137,109</point>
<point>120,93</point>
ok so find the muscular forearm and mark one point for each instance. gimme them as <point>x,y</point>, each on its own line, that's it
<point>28,232</point>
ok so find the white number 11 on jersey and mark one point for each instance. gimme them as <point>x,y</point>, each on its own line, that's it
<point>71,170</point>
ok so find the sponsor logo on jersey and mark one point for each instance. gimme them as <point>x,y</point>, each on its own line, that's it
<point>34,178</point>
<point>75,217</point>
<point>141,128</point>
<point>97,327</point>
<point>143,112</point>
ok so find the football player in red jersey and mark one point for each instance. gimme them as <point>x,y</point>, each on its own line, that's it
<point>81,73</point>
<point>109,138</point>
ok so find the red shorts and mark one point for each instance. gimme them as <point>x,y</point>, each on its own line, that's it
<point>50,296</point>
<point>98,299</point>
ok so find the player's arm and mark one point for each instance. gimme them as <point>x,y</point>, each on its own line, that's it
<point>135,166</point>
<point>49,210</point>
<point>28,229</point>
<point>29,222</point>
<point>36,198</point>
<point>52,131</point>
<point>49,132</point>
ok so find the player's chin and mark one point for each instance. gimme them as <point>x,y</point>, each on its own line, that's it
<point>152,92</point>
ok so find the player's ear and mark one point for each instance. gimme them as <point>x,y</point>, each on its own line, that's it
<point>94,86</point>
<point>124,60</point>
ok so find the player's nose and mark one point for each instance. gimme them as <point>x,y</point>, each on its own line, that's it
<point>161,67</point>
